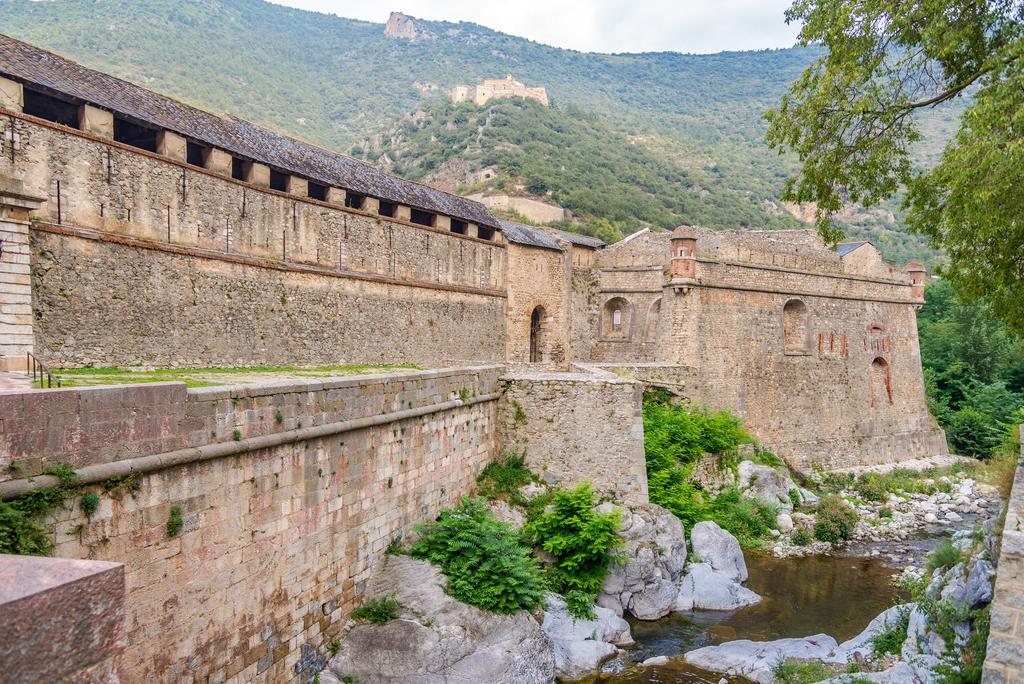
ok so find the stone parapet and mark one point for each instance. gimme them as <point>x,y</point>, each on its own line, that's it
<point>63,619</point>
<point>1004,661</point>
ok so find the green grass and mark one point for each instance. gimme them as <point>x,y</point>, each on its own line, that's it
<point>800,672</point>
<point>943,556</point>
<point>502,478</point>
<point>201,377</point>
<point>890,641</point>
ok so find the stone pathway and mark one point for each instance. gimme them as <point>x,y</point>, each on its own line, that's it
<point>15,382</point>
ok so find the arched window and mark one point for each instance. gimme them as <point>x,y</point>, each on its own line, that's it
<point>796,332</point>
<point>537,321</point>
<point>616,317</point>
<point>881,382</point>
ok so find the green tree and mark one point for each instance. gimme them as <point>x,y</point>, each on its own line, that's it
<point>853,118</point>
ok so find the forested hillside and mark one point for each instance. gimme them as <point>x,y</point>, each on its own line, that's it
<point>339,82</point>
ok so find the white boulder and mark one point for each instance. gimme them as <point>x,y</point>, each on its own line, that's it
<point>757,660</point>
<point>580,646</point>
<point>705,589</point>
<point>720,549</point>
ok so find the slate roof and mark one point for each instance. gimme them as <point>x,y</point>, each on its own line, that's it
<point>577,239</point>
<point>528,235</point>
<point>57,75</point>
<point>844,248</point>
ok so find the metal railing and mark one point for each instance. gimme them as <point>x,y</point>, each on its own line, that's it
<point>40,373</point>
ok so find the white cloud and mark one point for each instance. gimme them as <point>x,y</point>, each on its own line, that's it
<point>601,25</point>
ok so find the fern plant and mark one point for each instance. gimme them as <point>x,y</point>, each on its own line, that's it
<point>486,564</point>
<point>581,542</point>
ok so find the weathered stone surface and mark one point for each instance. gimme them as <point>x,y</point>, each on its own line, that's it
<point>720,549</point>
<point>978,591</point>
<point>580,646</point>
<point>440,640</point>
<point>654,554</point>
<point>703,588</point>
<point>861,644</point>
<point>784,521</point>
<point>502,511</point>
<point>757,660</point>
<point>765,483</point>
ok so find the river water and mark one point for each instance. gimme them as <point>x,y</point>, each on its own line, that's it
<point>834,595</point>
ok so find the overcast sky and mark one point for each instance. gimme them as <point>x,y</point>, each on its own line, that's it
<point>599,25</point>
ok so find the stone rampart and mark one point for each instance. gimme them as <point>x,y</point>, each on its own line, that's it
<point>1004,661</point>
<point>575,427</point>
<point>287,494</point>
<point>129,244</point>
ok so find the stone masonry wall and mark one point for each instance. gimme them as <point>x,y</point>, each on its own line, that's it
<point>538,277</point>
<point>113,304</point>
<point>128,195</point>
<point>276,542</point>
<point>575,427</point>
<point>1004,661</point>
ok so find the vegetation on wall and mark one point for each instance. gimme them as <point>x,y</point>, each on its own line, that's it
<point>675,438</point>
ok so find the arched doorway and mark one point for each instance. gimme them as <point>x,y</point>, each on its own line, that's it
<point>796,334</point>
<point>537,334</point>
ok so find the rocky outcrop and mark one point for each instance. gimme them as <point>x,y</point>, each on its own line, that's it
<point>580,646</point>
<point>646,583</point>
<point>719,549</point>
<point>439,640</point>
<point>403,26</point>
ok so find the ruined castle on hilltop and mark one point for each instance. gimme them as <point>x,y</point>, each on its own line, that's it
<point>492,89</point>
<point>136,230</point>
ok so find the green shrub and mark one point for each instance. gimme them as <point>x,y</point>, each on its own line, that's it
<point>943,556</point>
<point>581,542</point>
<point>870,488</point>
<point>890,641</point>
<point>800,672</point>
<point>884,512</point>
<point>89,502</point>
<point>802,536</point>
<point>748,519</point>
<point>834,519</point>
<point>378,610</point>
<point>767,458</point>
<point>484,561</point>
<point>21,534</point>
<point>503,477</point>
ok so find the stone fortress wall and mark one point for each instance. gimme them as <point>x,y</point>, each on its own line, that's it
<point>137,245</point>
<point>490,89</point>
<point>289,495</point>
<point>817,352</point>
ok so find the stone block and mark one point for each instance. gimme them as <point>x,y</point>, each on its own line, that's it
<point>371,204</point>
<point>256,173</point>
<point>11,95</point>
<point>336,196</point>
<point>96,121</point>
<point>296,185</point>
<point>402,212</point>
<point>171,145</point>
<point>61,617</point>
<point>443,222</point>
<point>217,161</point>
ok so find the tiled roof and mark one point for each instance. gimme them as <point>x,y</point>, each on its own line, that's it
<point>519,234</point>
<point>35,66</point>
<point>844,248</point>
<point>577,239</point>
